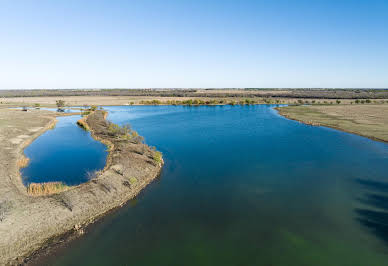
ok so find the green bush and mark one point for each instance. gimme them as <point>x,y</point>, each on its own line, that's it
<point>157,155</point>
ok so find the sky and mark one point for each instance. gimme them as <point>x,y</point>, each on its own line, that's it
<point>193,44</point>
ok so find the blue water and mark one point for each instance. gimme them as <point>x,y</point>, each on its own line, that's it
<point>243,186</point>
<point>66,153</point>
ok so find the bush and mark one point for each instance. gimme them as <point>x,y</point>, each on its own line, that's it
<point>124,133</point>
<point>60,103</point>
<point>157,155</point>
<point>338,101</point>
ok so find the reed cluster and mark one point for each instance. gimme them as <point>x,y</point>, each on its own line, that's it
<point>47,188</point>
<point>23,162</point>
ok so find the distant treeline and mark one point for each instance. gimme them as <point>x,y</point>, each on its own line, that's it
<point>211,93</point>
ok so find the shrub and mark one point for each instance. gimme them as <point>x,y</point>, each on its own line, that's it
<point>132,180</point>
<point>124,133</point>
<point>338,101</point>
<point>60,103</point>
<point>157,155</point>
<point>368,101</point>
<point>357,101</point>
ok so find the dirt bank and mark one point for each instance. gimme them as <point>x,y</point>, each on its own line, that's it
<point>29,223</point>
<point>370,121</point>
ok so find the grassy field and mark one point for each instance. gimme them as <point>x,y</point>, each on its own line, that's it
<point>49,101</point>
<point>366,120</point>
<point>215,93</point>
<point>81,97</point>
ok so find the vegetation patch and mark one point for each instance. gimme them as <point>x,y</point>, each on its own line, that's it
<point>157,156</point>
<point>82,123</point>
<point>124,132</point>
<point>48,188</point>
<point>23,162</point>
<point>132,180</point>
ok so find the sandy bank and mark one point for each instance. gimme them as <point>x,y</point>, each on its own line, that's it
<point>29,223</point>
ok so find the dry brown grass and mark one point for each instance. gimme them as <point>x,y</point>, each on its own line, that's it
<point>366,120</point>
<point>48,188</point>
<point>136,100</point>
<point>23,162</point>
<point>82,123</point>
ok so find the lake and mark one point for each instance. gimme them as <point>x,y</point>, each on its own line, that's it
<point>243,186</point>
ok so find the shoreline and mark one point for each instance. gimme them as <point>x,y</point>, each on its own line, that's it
<point>72,210</point>
<point>320,124</point>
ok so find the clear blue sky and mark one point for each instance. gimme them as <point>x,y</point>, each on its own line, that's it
<point>104,44</point>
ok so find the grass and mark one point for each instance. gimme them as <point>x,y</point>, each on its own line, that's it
<point>48,188</point>
<point>132,180</point>
<point>366,120</point>
<point>23,162</point>
<point>82,123</point>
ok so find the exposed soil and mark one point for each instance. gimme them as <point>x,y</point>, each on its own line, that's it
<point>29,224</point>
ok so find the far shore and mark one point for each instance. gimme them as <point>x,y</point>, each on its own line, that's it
<point>198,99</point>
<point>369,121</point>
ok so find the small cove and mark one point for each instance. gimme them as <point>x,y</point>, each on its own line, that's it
<point>66,153</point>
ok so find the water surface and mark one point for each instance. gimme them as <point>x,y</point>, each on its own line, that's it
<point>244,186</point>
<point>66,153</point>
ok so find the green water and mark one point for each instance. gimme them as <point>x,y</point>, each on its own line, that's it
<point>244,186</point>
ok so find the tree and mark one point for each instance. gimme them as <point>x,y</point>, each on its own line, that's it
<point>60,105</point>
